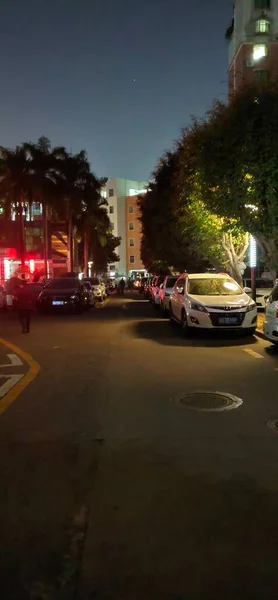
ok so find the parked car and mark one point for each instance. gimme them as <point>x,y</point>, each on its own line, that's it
<point>98,287</point>
<point>165,292</point>
<point>91,295</point>
<point>212,301</point>
<point>270,326</point>
<point>263,290</point>
<point>63,293</point>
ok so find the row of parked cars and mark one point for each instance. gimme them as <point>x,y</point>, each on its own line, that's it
<point>204,301</point>
<point>214,301</point>
<point>59,293</point>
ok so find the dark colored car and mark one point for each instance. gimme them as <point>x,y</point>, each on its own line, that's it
<point>64,294</point>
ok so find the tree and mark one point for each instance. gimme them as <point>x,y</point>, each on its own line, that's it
<point>238,164</point>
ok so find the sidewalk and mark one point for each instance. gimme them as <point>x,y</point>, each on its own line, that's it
<point>260,322</point>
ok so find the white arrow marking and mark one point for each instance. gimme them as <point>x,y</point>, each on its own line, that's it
<point>11,381</point>
<point>15,361</point>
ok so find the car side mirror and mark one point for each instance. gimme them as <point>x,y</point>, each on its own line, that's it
<point>180,290</point>
<point>247,290</point>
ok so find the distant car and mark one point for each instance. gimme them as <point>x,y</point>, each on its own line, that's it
<point>63,293</point>
<point>98,287</point>
<point>263,290</point>
<point>165,292</point>
<point>270,326</point>
<point>212,301</point>
<point>91,295</point>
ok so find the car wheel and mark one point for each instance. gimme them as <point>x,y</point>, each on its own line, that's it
<point>184,324</point>
<point>171,315</point>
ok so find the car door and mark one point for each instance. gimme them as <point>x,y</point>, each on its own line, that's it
<point>177,301</point>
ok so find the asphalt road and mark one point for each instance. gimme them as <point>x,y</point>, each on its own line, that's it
<point>112,489</point>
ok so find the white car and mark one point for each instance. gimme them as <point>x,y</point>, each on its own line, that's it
<point>270,326</point>
<point>210,301</point>
<point>263,290</point>
<point>98,288</point>
<point>165,292</point>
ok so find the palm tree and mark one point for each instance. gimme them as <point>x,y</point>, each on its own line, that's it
<point>15,188</point>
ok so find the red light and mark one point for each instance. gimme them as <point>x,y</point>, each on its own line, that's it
<point>32,265</point>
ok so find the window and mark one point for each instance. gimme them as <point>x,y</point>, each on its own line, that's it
<point>111,210</point>
<point>262,4</point>
<point>259,51</point>
<point>112,226</point>
<point>131,226</point>
<point>132,259</point>
<point>131,242</point>
<point>130,209</point>
<point>262,26</point>
<point>111,193</point>
<point>262,75</point>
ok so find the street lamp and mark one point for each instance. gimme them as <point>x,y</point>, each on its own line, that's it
<point>253,264</point>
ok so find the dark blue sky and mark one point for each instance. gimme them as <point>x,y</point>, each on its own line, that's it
<point>68,70</point>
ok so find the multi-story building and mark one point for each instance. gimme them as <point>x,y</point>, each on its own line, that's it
<point>253,43</point>
<point>118,191</point>
<point>133,237</point>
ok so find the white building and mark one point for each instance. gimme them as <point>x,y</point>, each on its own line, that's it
<point>117,190</point>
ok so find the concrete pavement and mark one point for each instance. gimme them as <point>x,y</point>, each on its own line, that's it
<point>113,489</point>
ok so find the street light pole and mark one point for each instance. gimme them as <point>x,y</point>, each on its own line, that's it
<point>253,265</point>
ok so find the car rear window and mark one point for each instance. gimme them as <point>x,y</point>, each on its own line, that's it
<point>171,282</point>
<point>63,284</point>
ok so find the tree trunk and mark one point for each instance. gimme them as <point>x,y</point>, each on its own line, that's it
<point>70,245</point>
<point>21,235</point>
<point>86,255</point>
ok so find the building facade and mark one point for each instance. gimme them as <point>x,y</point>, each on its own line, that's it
<point>253,43</point>
<point>117,193</point>
<point>133,237</point>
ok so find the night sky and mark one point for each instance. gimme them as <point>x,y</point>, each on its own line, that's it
<point>116,77</point>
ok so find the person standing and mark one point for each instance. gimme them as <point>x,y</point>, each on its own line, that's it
<point>122,286</point>
<point>25,305</point>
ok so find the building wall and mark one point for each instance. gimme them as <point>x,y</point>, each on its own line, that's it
<point>133,236</point>
<point>117,189</point>
<point>243,69</point>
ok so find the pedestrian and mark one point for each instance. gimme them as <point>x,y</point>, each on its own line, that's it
<point>122,286</point>
<point>25,305</point>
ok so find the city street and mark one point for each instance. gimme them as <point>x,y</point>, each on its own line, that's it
<point>111,487</point>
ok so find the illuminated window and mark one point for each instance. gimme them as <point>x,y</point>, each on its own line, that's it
<point>131,242</point>
<point>259,51</point>
<point>130,209</point>
<point>132,259</point>
<point>131,226</point>
<point>262,26</point>
<point>262,4</point>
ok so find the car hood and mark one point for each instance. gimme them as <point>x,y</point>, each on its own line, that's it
<point>217,301</point>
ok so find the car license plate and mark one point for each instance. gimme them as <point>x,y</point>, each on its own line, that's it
<point>57,302</point>
<point>227,320</point>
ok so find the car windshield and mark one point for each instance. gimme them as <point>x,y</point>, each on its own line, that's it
<point>65,284</point>
<point>87,285</point>
<point>215,286</point>
<point>171,282</point>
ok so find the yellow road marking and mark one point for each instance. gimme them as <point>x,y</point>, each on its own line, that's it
<point>22,384</point>
<point>253,353</point>
<point>102,304</point>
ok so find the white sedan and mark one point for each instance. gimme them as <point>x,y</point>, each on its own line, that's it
<point>271,317</point>
<point>212,301</point>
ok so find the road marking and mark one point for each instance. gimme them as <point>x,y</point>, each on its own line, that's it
<point>10,383</point>
<point>102,304</point>
<point>11,396</point>
<point>253,353</point>
<point>15,361</point>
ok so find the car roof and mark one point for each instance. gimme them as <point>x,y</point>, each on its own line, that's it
<point>207,275</point>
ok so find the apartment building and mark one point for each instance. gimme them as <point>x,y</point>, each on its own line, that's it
<point>253,43</point>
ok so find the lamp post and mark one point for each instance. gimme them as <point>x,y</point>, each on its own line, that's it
<point>253,264</point>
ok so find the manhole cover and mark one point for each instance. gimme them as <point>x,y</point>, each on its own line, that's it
<point>210,401</point>
<point>273,424</point>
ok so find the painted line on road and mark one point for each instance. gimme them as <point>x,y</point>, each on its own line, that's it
<point>253,353</point>
<point>18,388</point>
<point>102,304</point>
<point>9,384</point>
<point>15,361</point>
